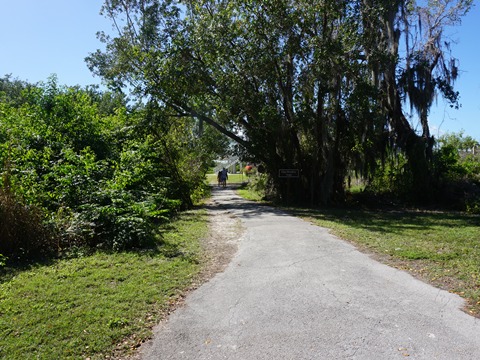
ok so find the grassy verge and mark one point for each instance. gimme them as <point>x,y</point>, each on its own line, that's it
<point>439,247</point>
<point>91,306</point>
<point>249,194</point>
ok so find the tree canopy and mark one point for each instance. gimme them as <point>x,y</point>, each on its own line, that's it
<point>323,86</point>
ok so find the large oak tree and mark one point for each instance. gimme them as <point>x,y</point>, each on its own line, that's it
<point>321,86</point>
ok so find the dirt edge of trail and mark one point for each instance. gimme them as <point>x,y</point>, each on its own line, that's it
<point>221,244</point>
<point>219,247</point>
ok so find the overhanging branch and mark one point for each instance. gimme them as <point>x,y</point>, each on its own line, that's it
<point>247,145</point>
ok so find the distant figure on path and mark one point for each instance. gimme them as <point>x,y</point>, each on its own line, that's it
<point>222,177</point>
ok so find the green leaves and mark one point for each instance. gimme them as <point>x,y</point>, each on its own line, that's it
<point>294,83</point>
<point>97,173</point>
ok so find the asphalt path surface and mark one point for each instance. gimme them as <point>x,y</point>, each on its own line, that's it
<point>294,291</point>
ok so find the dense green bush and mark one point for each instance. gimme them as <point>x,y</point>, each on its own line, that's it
<point>90,169</point>
<point>457,172</point>
<point>392,177</point>
<point>458,158</point>
<point>447,164</point>
<point>258,183</point>
<point>456,176</point>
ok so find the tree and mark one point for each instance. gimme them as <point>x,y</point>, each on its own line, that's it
<point>311,85</point>
<point>252,70</point>
<point>389,26</point>
<point>459,142</point>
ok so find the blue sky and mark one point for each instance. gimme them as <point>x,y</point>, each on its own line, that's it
<point>42,37</point>
<point>467,50</point>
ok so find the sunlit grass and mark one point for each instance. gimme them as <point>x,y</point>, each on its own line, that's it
<point>87,306</point>
<point>249,194</point>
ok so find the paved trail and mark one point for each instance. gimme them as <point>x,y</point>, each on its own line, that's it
<point>293,291</point>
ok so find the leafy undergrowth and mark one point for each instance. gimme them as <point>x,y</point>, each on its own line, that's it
<point>442,248</point>
<point>94,305</point>
<point>249,194</point>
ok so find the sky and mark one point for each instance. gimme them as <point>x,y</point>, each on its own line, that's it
<point>39,38</point>
<point>467,50</point>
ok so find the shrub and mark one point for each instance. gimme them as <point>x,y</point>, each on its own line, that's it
<point>22,232</point>
<point>447,165</point>
<point>82,178</point>
<point>473,206</point>
<point>391,177</point>
<point>118,221</point>
<point>259,184</point>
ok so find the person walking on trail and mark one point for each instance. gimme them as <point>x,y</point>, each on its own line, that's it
<point>222,177</point>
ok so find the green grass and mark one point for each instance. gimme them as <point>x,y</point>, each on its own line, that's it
<point>440,247</point>
<point>92,305</point>
<point>249,194</point>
